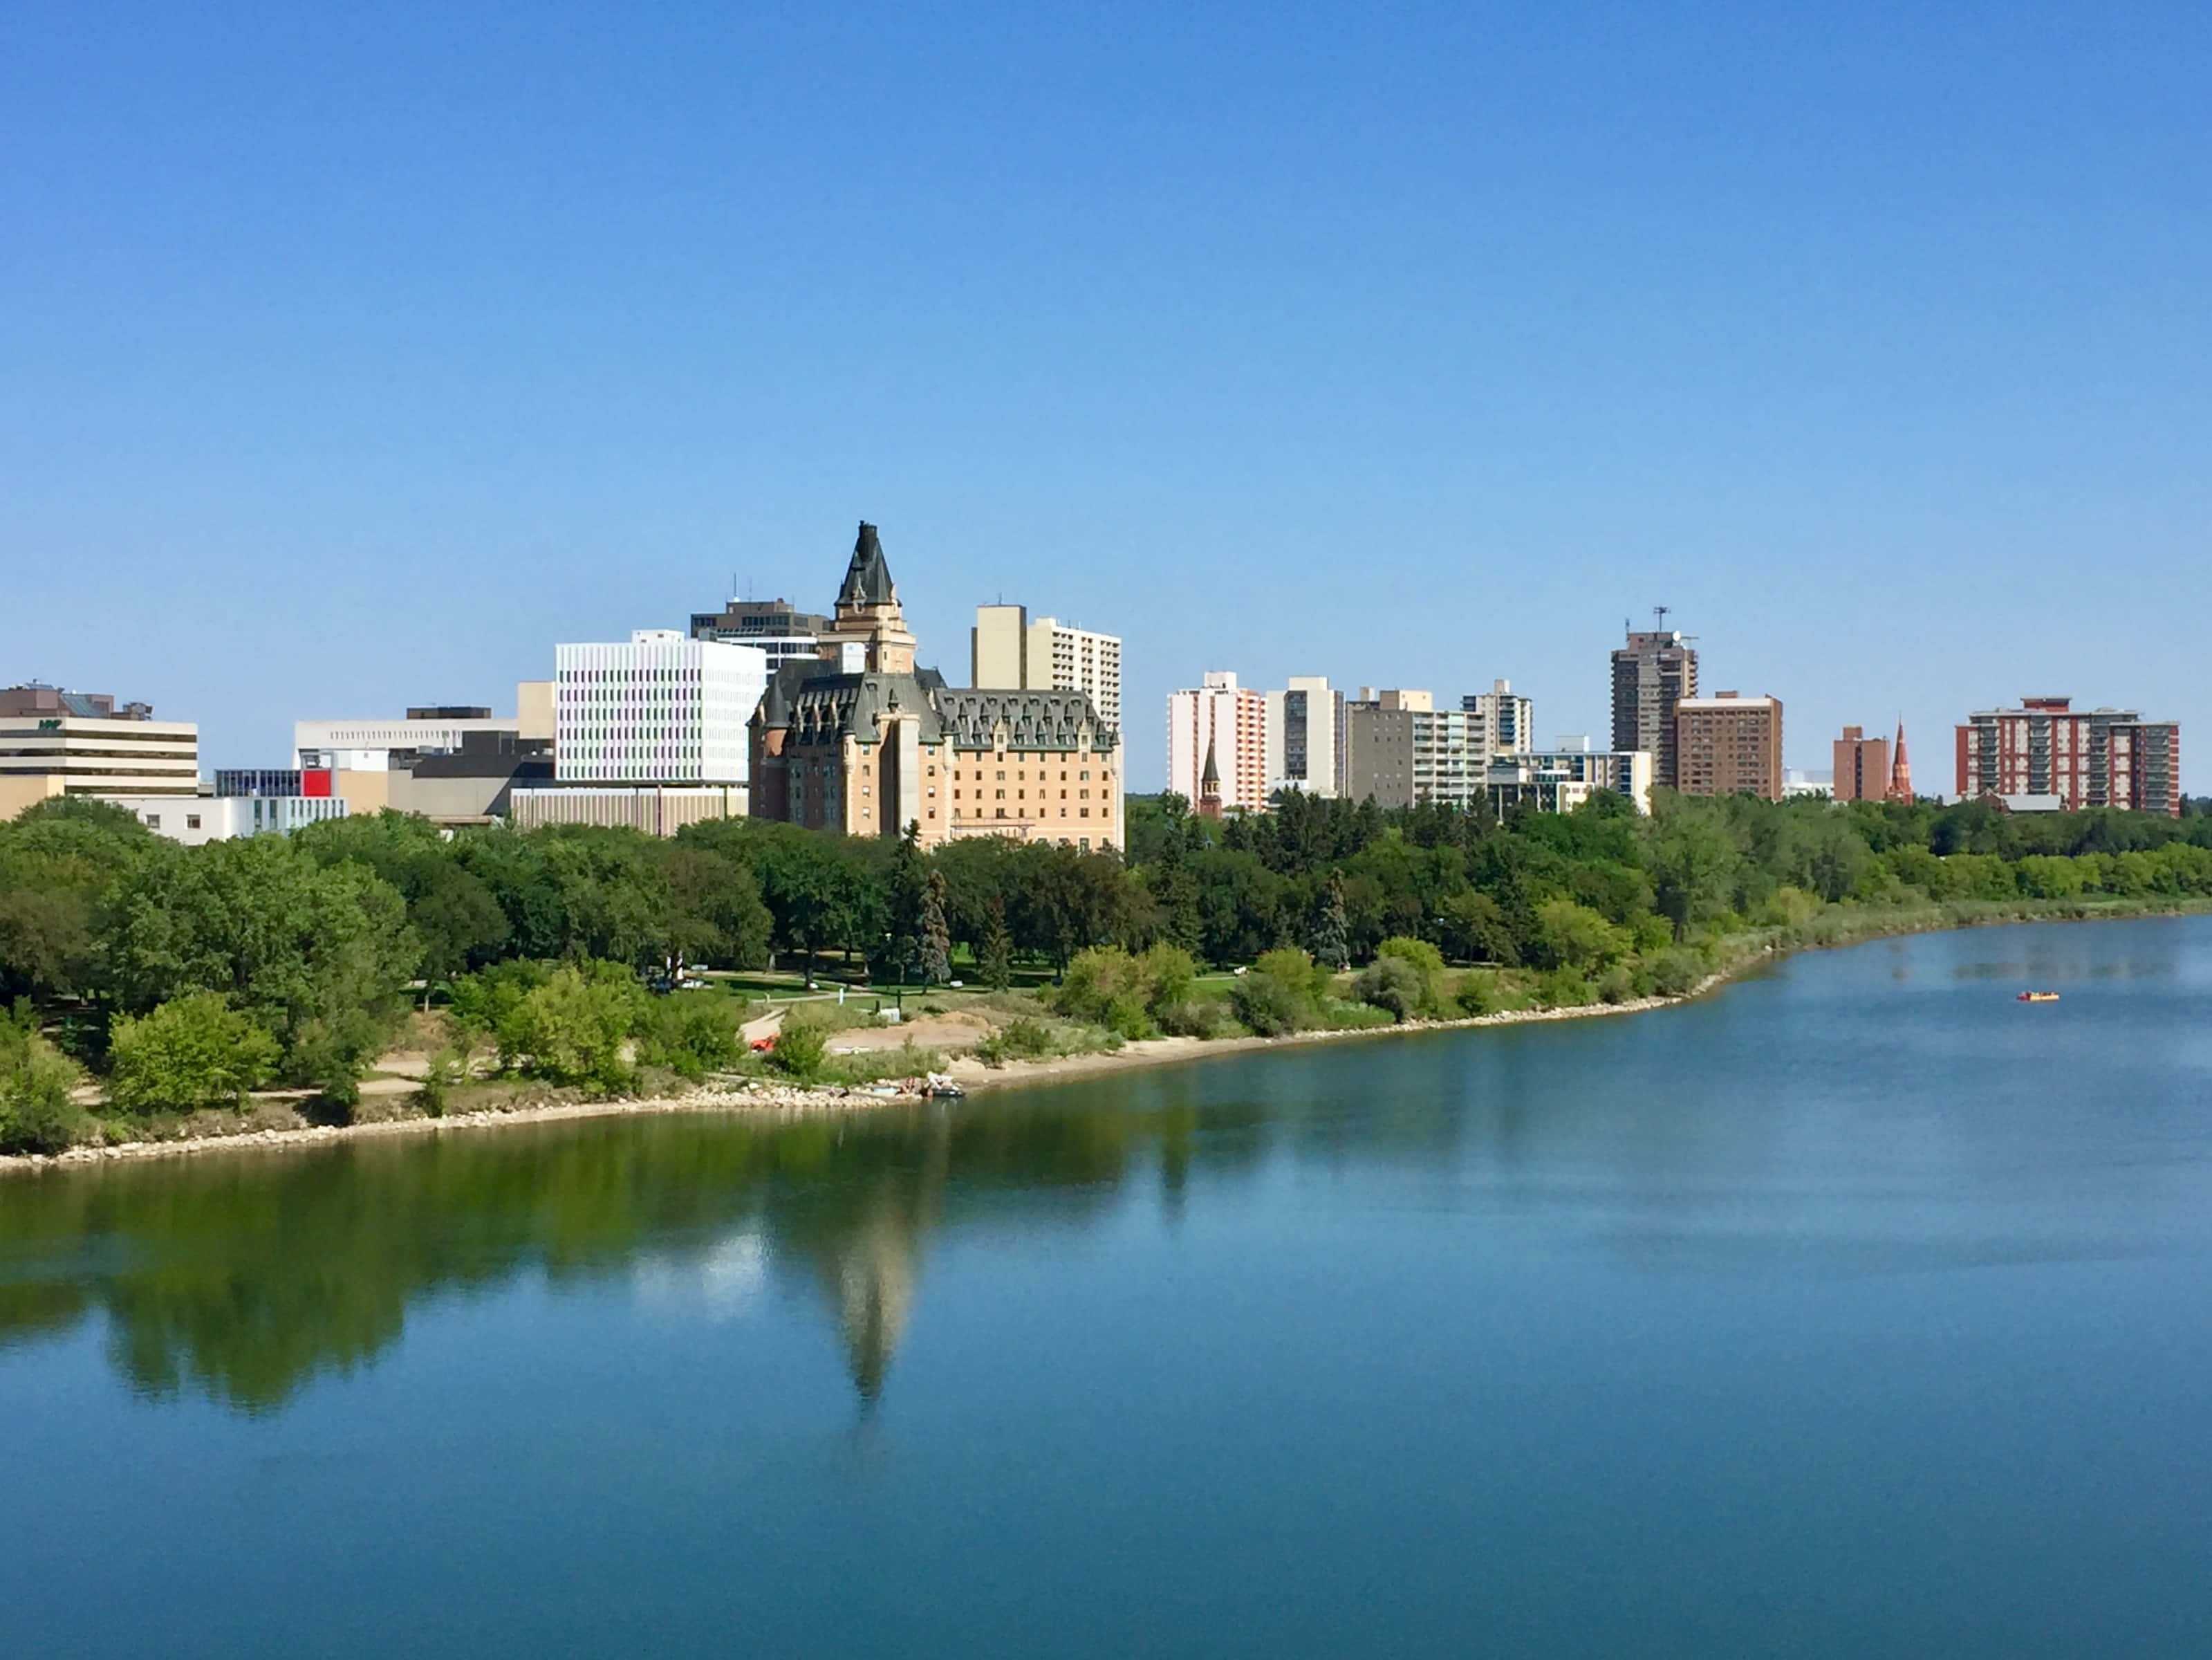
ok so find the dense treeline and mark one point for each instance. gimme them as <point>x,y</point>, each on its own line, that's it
<point>188,976</point>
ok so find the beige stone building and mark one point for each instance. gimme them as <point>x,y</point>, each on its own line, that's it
<point>859,740</point>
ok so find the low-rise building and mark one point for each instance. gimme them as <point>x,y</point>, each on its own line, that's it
<point>1561,779</point>
<point>196,820</point>
<point>776,628</point>
<point>59,743</point>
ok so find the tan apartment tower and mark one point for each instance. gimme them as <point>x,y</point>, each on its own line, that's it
<point>1862,766</point>
<point>1007,650</point>
<point>1729,744</point>
<point>1651,676</point>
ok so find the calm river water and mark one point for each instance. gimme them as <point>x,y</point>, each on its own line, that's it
<point>1857,1311</point>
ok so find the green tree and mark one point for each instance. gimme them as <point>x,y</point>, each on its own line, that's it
<point>191,1052</point>
<point>573,1029</point>
<point>1332,932</point>
<point>936,941</point>
<point>994,952</point>
<point>38,1110</point>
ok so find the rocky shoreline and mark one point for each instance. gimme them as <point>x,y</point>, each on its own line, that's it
<point>783,1101</point>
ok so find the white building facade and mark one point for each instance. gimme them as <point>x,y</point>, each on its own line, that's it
<point>659,708</point>
<point>1559,781</point>
<point>196,820</point>
<point>1304,748</point>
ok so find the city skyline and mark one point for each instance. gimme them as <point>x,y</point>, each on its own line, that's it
<point>351,368</point>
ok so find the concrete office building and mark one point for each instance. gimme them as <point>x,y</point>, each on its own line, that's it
<point>1652,675</point>
<point>1303,737</point>
<point>58,743</point>
<point>776,628</point>
<point>1006,651</point>
<point>2101,757</point>
<point>1509,719</point>
<point>1861,771</point>
<point>1231,720</point>
<point>1728,745</point>
<point>876,747</point>
<point>1561,779</point>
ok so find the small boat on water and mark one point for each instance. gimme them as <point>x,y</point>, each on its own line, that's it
<point>2038,997</point>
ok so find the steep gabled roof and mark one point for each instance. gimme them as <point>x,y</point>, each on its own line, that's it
<point>867,579</point>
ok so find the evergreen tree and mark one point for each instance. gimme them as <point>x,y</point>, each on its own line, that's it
<point>1332,934</point>
<point>994,951</point>
<point>909,899</point>
<point>936,942</point>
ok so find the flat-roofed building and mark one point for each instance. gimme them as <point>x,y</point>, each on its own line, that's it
<point>55,743</point>
<point>778,630</point>
<point>1728,745</point>
<point>1231,720</point>
<point>1509,719</point>
<point>1561,779</point>
<point>1304,739</point>
<point>659,708</point>
<point>2101,757</point>
<point>1652,675</point>
<point>196,820</point>
<point>1007,651</point>
<point>1862,766</point>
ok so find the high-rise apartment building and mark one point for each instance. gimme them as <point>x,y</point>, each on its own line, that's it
<point>1401,749</point>
<point>54,743</point>
<point>1007,650</point>
<point>2103,758</point>
<point>1232,721</point>
<point>1728,745</point>
<point>1652,675</point>
<point>1509,719</point>
<point>1305,722</point>
<point>661,707</point>
<point>1862,765</point>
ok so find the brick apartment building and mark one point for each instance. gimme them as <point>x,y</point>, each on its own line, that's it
<point>1729,744</point>
<point>2103,758</point>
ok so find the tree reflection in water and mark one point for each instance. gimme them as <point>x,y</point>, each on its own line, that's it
<point>242,1277</point>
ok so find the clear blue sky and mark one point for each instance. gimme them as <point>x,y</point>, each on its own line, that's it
<point>351,357</point>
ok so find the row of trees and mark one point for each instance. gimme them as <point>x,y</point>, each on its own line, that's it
<point>314,943</point>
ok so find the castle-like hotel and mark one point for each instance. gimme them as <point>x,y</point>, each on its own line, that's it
<point>856,739</point>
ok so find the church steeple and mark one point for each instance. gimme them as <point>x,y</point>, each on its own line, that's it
<point>1209,785</point>
<point>1900,770</point>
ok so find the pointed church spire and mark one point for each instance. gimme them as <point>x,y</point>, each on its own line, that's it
<point>1900,770</point>
<point>1209,785</point>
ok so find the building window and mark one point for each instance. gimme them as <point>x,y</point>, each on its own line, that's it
<point>1087,812</point>
<point>191,821</point>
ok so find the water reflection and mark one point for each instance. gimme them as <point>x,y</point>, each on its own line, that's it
<point>243,1277</point>
<point>1860,1111</point>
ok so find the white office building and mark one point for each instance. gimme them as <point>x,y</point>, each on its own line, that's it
<point>659,709</point>
<point>1008,651</point>
<point>1561,779</point>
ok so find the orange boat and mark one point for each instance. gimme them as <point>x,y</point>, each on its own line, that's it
<point>2038,997</point>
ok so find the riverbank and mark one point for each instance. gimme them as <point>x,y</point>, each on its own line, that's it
<point>1745,953</point>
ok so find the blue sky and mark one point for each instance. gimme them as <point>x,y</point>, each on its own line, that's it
<point>350,357</point>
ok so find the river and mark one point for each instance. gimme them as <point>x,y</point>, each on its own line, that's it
<point>1858,1310</point>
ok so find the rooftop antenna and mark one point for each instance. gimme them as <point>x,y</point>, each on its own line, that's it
<point>1659,613</point>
